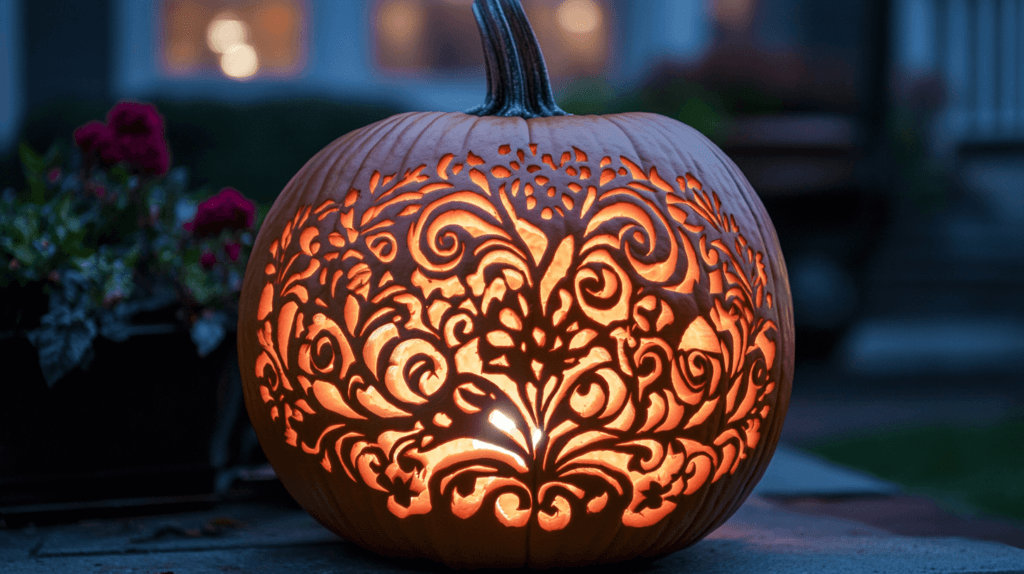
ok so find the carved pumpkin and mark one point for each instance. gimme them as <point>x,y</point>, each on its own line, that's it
<point>517,337</point>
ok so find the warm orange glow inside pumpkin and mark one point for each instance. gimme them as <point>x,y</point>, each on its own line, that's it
<point>520,338</point>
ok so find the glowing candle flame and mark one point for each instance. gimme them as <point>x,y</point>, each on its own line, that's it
<point>501,422</point>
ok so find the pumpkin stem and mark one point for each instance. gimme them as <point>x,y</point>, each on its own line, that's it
<point>517,78</point>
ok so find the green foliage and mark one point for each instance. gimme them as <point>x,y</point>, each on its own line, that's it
<point>964,468</point>
<point>254,147</point>
<point>106,244</point>
<point>65,335</point>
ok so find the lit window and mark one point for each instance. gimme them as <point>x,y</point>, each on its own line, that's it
<point>238,39</point>
<point>733,15</point>
<point>423,36</point>
<point>575,35</point>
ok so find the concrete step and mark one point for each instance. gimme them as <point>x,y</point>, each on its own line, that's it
<point>937,344</point>
<point>950,266</point>
<point>765,535</point>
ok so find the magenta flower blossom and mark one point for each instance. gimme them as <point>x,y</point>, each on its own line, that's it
<point>229,209</point>
<point>207,260</point>
<point>138,132</point>
<point>92,135</point>
<point>146,153</point>
<point>133,133</point>
<point>133,118</point>
<point>96,140</point>
<point>232,250</point>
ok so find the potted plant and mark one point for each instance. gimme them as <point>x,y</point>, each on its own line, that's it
<point>120,294</point>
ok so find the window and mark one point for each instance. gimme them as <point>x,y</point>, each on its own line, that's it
<point>238,39</point>
<point>440,36</point>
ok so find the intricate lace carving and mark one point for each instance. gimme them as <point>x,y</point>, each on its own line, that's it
<point>520,338</point>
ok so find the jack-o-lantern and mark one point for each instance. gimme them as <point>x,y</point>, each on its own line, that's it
<point>517,337</point>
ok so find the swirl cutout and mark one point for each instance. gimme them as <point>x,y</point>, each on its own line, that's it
<point>499,369</point>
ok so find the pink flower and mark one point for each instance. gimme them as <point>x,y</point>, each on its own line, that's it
<point>147,153</point>
<point>53,175</point>
<point>232,250</point>
<point>92,134</point>
<point>229,209</point>
<point>135,119</point>
<point>138,131</point>
<point>96,140</point>
<point>207,260</point>
<point>133,133</point>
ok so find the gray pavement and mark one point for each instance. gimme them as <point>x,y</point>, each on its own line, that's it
<point>793,473</point>
<point>762,536</point>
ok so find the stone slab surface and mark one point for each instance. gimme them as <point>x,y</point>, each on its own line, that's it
<point>761,537</point>
<point>909,515</point>
<point>765,535</point>
<point>794,473</point>
<point>932,345</point>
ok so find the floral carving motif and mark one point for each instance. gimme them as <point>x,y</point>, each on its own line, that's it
<point>520,337</point>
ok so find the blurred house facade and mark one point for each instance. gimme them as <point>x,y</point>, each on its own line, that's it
<point>966,58</point>
<point>977,48</point>
<point>817,85</point>
<point>423,54</point>
<point>10,72</point>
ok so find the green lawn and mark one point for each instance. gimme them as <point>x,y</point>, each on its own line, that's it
<point>965,469</point>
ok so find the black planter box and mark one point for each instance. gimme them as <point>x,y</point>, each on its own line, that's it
<point>148,418</point>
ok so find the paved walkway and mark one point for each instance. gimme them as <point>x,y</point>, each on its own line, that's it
<point>775,531</point>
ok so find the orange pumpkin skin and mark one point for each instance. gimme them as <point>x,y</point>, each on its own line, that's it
<point>506,342</point>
